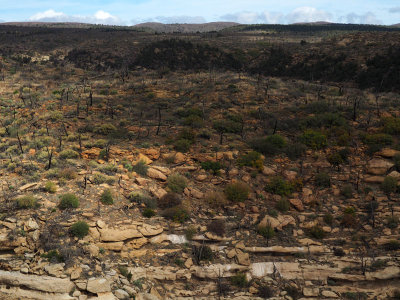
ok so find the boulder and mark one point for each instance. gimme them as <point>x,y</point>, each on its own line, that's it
<point>155,174</point>
<point>98,285</point>
<point>150,230</point>
<point>118,235</point>
<point>378,166</point>
<point>39,283</point>
<point>297,203</point>
<point>387,153</point>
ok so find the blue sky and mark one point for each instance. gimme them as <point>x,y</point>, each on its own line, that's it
<point>129,12</point>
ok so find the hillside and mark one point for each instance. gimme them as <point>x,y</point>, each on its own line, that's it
<point>186,28</point>
<point>258,162</point>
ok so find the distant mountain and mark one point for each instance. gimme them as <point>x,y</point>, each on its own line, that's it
<point>183,28</point>
<point>395,25</point>
<point>50,24</point>
<point>313,23</point>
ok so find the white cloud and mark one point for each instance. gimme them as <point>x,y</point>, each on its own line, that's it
<point>180,19</point>
<point>254,18</point>
<point>367,18</point>
<point>48,14</point>
<point>100,17</point>
<point>308,14</point>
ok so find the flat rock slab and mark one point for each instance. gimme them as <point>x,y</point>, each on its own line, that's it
<point>38,283</point>
<point>118,235</point>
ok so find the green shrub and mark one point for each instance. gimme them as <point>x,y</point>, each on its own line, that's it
<point>252,159</point>
<point>322,180</point>
<point>317,232</point>
<point>182,145</point>
<point>50,187</point>
<point>68,154</point>
<point>377,141</point>
<point>106,197</point>
<point>213,166</point>
<point>190,232</point>
<point>389,185</point>
<point>279,186</point>
<point>141,168</point>
<point>392,245</point>
<point>68,201</point>
<point>328,219</point>
<point>27,201</point>
<point>202,252</point>
<point>237,191</point>
<point>396,160</point>
<point>392,222</point>
<point>53,256</point>
<point>314,139</point>
<point>295,151</point>
<point>269,146</point>
<point>217,227</point>
<point>347,191</point>
<point>266,231</point>
<point>176,183</point>
<point>391,125</point>
<point>148,213</point>
<point>176,214</point>
<point>125,272</point>
<point>79,229</point>
<point>335,159</point>
<point>105,129</point>
<point>239,280</point>
<point>143,198</point>
<point>282,205</point>
<point>215,199</point>
<point>169,200</point>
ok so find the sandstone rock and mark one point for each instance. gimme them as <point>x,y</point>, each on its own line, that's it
<point>196,193</point>
<point>31,225</point>
<point>101,224</point>
<point>387,153</point>
<point>216,270</point>
<point>311,291</point>
<point>113,246</point>
<point>155,174</point>
<point>144,158</point>
<point>76,273</point>
<point>28,186</point>
<point>55,269</point>
<point>378,166</point>
<point>297,203</point>
<point>179,158</point>
<point>121,294</point>
<point>329,294</point>
<point>288,250</point>
<point>188,263</point>
<point>201,177</point>
<point>34,282</point>
<point>118,235</point>
<point>391,272</point>
<point>98,285</point>
<point>268,171</point>
<point>149,230</point>
<point>157,192</point>
<point>374,179</point>
<point>137,243</point>
<point>243,258</point>
<point>145,296</point>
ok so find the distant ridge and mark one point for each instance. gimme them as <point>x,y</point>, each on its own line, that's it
<point>186,28</point>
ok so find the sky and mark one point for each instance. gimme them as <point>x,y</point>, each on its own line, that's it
<point>130,12</point>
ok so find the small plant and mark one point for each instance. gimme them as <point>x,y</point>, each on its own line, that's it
<point>317,232</point>
<point>176,183</point>
<point>202,252</point>
<point>53,256</point>
<point>269,146</point>
<point>252,159</point>
<point>239,280</point>
<point>389,185</point>
<point>68,201</point>
<point>190,232</point>
<point>338,252</point>
<point>392,245</point>
<point>314,139</point>
<point>328,219</point>
<point>295,151</point>
<point>68,154</point>
<point>217,227</point>
<point>322,180</point>
<point>182,145</point>
<point>215,199</point>
<point>148,213</point>
<point>265,292</point>
<point>79,229</point>
<point>266,231</point>
<point>212,166</point>
<point>27,201</point>
<point>141,168</point>
<point>278,186</point>
<point>106,197</point>
<point>282,205</point>
<point>169,200</point>
<point>50,187</point>
<point>176,214</point>
<point>125,272</point>
<point>392,222</point>
<point>237,191</point>
<point>347,191</point>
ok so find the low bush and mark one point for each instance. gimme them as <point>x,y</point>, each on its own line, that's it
<point>217,227</point>
<point>169,200</point>
<point>148,213</point>
<point>79,229</point>
<point>50,187</point>
<point>282,205</point>
<point>213,166</point>
<point>27,201</point>
<point>347,191</point>
<point>239,280</point>
<point>252,159</point>
<point>141,168</point>
<point>176,214</point>
<point>215,199</point>
<point>202,252</point>
<point>389,185</point>
<point>176,183</point>
<point>190,232</point>
<point>269,146</point>
<point>68,154</point>
<point>317,232</point>
<point>295,151</point>
<point>279,186</point>
<point>266,231</point>
<point>106,197</point>
<point>392,245</point>
<point>391,125</point>
<point>68,201</point>
<point>314,139</point>
<point>322,180</point>
<point>182,145</point>
<point>237,191</point>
